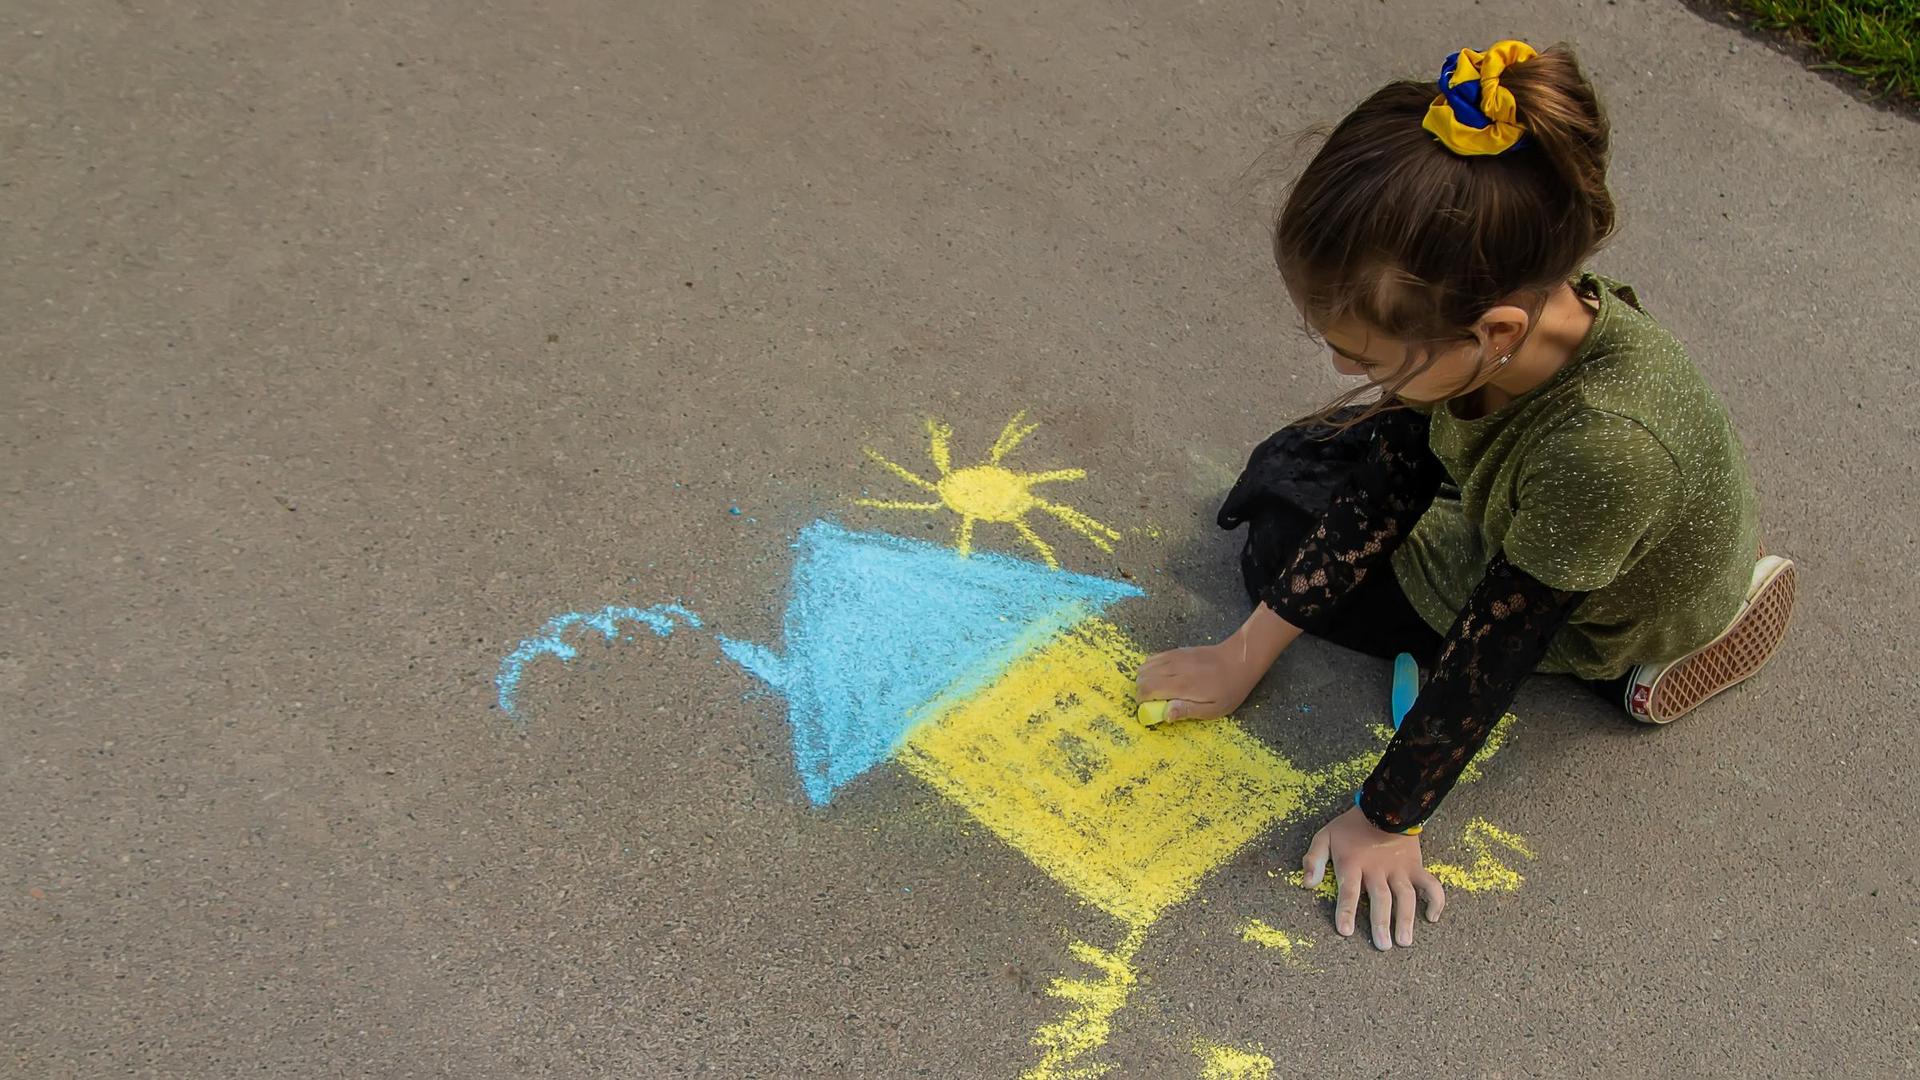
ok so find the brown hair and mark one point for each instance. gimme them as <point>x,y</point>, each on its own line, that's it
<point>1389,226</point>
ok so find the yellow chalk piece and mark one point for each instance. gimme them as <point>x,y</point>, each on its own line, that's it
<point>1488,873</point>
<point>1266,936</point>
<point>1232,1063</point>
<point>1129,820</point>
<point>1153,713</point>
<point>1086,1025</point>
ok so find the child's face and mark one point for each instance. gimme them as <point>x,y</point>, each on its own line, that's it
<point>1359,349</point>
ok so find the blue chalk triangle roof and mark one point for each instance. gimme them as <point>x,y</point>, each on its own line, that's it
<point>879,628</point>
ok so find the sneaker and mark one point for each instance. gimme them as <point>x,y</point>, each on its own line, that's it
<point>1663,693</point>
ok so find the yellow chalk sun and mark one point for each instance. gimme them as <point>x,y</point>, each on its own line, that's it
<point>992,492</point>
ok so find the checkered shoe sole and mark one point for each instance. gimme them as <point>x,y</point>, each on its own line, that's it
<point>1731,658</point>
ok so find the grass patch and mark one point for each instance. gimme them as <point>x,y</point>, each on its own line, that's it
<point>1877,41</point>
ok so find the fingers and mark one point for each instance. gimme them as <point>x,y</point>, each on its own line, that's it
<point>1430,890</point>
<point>1163,661</point>
<point>1402,910</point>
<point>1159,712</point>
<point>1186,708</point>
<point>1380,910</point>
<point>1315,862</point>
<point>1159,678</point>
<point>1346,904</point>
<point>1183,698</point>
<point>1148,679</point>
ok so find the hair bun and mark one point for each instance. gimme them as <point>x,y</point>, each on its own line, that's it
<point>1475,115</point>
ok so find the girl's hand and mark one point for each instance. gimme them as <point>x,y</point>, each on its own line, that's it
<point>1387,865</point>
<point>1201,682</point>
<point>1208,681</point>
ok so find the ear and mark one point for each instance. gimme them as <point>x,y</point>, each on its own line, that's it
<point>1502,329</point>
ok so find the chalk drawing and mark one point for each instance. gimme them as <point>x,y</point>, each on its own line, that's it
<point>1487,873</point>
<point>1326,890</point>
<point>883,632</point>
<point>995,680</point>
<point>1256,932</point>
<point>1093,1002</point>
<point>999,683</point>
<point>1232,1063</point>
<point>550,641</point>
<point>1046,756</point>
<point>991,492</point>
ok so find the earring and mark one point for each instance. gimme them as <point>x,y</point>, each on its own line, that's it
<point>1503,361</point>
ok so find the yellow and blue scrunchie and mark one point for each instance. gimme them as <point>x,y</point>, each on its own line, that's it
<point>1474,114</point>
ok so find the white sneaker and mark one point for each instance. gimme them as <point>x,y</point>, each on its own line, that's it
<point>1663,693</point>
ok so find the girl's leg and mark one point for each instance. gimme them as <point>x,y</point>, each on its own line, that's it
<point>1284,492</point>
<point>1379,620</point>
<point>1282,496</point>
<point>1376,618</point>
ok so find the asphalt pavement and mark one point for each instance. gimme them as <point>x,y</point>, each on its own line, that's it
<point>352,348</point>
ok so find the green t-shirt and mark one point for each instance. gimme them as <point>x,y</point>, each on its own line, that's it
<point>1620,476</point>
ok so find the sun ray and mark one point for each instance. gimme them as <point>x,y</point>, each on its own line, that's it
<point>964,535</point>
<point>1010,437</point>
<point>1046,553</point>
<point>1051,477</point>
<point>939,444</point>
<point>1098,535</point>
<point>902,472</point>
<point>892,504</point>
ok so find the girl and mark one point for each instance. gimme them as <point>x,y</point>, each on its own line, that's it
<point>1546,483</point>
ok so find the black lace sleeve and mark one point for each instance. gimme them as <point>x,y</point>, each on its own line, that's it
<point>1371,512</point>
<point>1494,645</point>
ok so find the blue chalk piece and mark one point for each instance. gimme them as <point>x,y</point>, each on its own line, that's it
<point>1406,687</point>
<point>734,510</point>
<point>551,641</point>
<point>880,630</point>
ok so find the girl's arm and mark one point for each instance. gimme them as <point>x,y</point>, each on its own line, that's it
<point>1371,512</point>
<point>1497,641</point>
